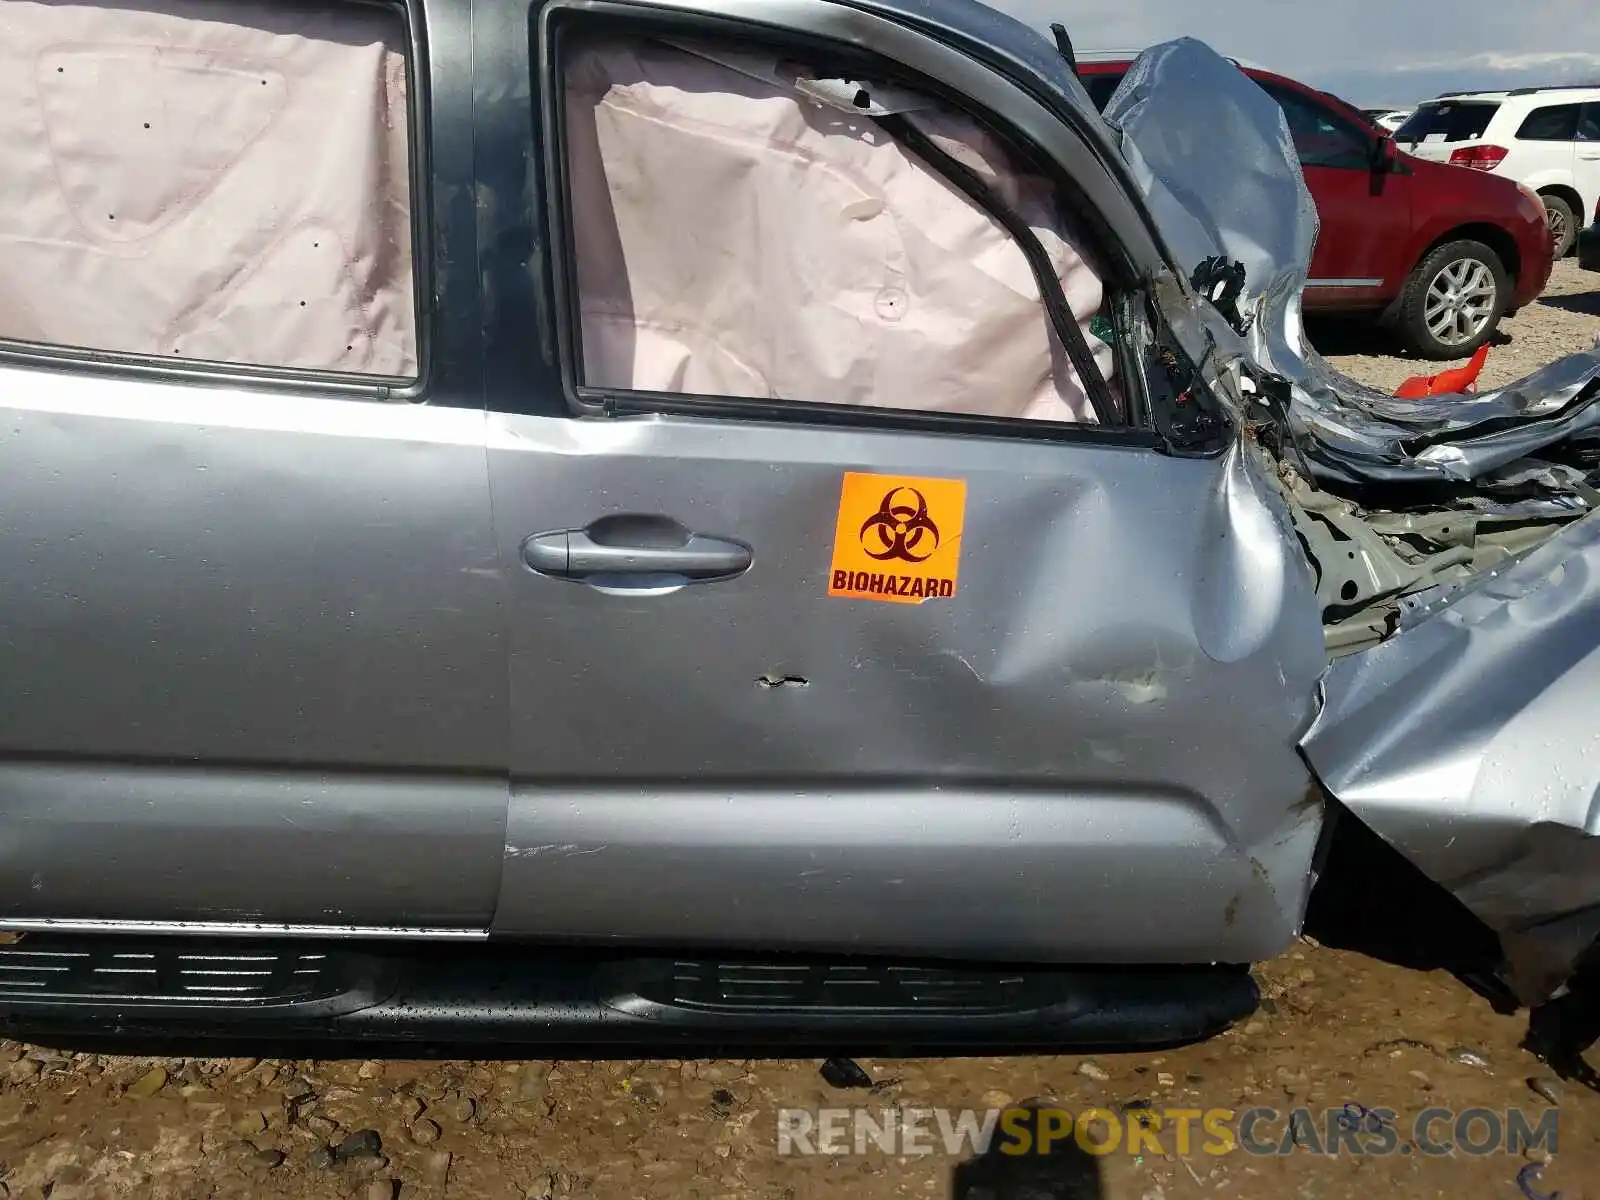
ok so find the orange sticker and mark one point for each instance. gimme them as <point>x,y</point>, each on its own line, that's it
<point>898,539</point>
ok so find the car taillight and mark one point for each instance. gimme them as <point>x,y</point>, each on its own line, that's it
<point>1479,158</point>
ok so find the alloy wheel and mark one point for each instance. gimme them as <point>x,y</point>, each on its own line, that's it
<point>1460,302</point>
<point>1558,224</point>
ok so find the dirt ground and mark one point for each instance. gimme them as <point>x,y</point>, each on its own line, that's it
<point>1566,318</point>
<point>1340,1029</point>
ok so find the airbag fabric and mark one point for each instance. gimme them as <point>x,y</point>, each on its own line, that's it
<point>207,179</point>
<point>736,236</point>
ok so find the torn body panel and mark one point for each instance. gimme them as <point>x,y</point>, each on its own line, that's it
<point>1459,580</point>
<point>1469,741</point>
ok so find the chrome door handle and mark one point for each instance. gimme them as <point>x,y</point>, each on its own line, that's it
<point>655,547</point>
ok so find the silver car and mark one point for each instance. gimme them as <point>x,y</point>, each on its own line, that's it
<point>727,520</point>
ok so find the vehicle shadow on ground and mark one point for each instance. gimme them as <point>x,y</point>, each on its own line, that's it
<point>1333,337</point>
<point>1584,303</point>
<point>1560,1032</point>
<point>1063,1171</point>
<point>1372,901</point>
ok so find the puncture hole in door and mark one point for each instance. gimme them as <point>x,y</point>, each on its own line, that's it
<point>782,681</point>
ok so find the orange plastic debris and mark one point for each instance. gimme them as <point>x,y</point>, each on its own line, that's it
<point>1457,379</point>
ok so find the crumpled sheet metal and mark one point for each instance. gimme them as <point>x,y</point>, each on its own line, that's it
<point>1213,153</point>
<point>1467,739</point>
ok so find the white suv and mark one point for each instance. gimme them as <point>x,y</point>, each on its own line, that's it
<point>1545,138</point>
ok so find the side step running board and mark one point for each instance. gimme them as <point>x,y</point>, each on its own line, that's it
<point>59,987</point>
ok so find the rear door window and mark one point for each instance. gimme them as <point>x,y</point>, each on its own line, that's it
<point>1552,123</point>
<point>227,182</point>
<point>1456,122</point>
<point>1589,124</point>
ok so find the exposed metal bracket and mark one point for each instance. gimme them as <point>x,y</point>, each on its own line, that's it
<point>1369,566</point>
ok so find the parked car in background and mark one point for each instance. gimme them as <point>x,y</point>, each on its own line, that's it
<point>1388,119</point>
<point>1440,255</point>
<point>1589,247</point>
<point>1546,138</point>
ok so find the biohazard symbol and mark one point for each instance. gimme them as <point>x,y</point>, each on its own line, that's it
<point>900,529</point>
<point>885,545</point>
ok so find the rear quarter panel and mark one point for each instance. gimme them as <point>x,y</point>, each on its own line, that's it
<point>1537,164</point>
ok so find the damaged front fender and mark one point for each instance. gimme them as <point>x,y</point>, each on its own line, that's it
<point>1469,742</point>
<point>1457,564</point>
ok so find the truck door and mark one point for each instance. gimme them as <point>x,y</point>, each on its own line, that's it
<point>839,620</point>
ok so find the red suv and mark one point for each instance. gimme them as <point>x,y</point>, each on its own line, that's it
<point>1440,253</point>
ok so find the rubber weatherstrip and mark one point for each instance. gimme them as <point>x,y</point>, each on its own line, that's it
<point>1055,299</point>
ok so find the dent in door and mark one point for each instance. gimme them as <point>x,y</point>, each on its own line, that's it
<point>1089,751</point>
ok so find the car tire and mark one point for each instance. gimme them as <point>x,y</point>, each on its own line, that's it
<point>1453,302</point>
<point>1563,224</point>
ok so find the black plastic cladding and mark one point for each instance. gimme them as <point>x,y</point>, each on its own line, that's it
<point>521,366</point>
<point>459,996</point>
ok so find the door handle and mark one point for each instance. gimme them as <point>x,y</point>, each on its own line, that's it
<point>646,550</point>
<point>1589,155</point>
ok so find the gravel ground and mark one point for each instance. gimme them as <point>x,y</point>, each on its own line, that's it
<point>1338,1028</point>
<point>1565,319</point>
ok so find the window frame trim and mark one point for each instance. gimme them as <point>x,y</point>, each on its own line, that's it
<point>587,402</point>
<point>86,361</point>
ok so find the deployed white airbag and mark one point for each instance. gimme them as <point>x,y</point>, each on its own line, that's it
<point>738,236</point>
<point>207,179</point>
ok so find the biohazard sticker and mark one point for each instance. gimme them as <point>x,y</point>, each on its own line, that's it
<point>898,539</point>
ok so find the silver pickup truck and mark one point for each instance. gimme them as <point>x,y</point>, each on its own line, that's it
<point>714,521</point>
